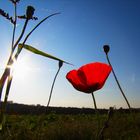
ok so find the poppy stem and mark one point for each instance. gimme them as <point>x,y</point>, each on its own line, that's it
<point>96,113</point>
<point>60,65</point>
<point>94,101</point>
<point>118,83</point>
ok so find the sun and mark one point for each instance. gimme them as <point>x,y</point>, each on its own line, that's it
<point>21,69</point>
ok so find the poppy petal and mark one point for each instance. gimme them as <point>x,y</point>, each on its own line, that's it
<point>89,77</point>
<point>75,81</point>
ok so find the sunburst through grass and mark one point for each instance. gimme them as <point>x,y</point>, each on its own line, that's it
<point>21,68</point>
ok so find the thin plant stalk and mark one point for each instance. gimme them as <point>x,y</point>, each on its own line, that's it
<point>10,77</point>
<point>2,120</point>
<point>8,69</point>
<point>60,65</point>
<point>123,94</point>
<point>96,112</point>
<point>9,64</point>
<point>10,60</point>
<point>3,108</point>
<point>106,124</point>
<point>22,33</point>
<point>12,50</point>
<point>14,29</point>
<point>94,101</point>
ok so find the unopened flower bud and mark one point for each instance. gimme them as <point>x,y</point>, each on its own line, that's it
<point>106,48</point>
<point>60,64</point>
<point>30,12</point>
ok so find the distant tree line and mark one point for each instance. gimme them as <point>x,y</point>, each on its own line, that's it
<point>15,108</point>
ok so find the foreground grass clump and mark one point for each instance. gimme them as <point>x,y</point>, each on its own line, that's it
<point>122,126</point>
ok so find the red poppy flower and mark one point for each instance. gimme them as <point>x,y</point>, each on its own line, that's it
<point>90,77</point>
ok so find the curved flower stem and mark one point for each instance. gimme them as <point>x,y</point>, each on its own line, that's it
<point>118,83</point>
<point>60,65</point>
<point>94,101</point>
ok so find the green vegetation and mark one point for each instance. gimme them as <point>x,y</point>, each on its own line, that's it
<point>122,126</point>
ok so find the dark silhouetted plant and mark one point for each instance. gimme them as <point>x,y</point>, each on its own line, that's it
<point>16,48</point>
<point>59,67</point>
<point>106,50</point>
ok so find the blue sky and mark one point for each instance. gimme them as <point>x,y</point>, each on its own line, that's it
<point>77,36</point>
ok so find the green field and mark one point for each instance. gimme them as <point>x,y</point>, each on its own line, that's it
<point>122,126</point>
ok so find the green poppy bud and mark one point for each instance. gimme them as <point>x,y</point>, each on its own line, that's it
<point>106,48</point>
<point>29,12</point>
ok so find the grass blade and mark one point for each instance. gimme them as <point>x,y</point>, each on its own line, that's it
<point>36,51</point>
